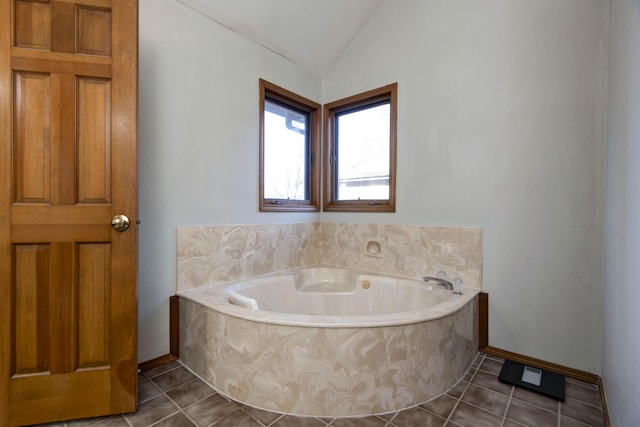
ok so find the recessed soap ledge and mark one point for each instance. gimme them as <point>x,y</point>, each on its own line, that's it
<point>373,248</point>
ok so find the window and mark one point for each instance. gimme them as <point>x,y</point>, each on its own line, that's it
<point>289,146</point>
<point>360,152</point>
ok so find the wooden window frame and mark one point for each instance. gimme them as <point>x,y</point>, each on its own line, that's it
<point>279,94</point>
<point>330,202</point>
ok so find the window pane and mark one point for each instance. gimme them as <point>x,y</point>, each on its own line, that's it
<point>285,152</point>
<point>363,148</point>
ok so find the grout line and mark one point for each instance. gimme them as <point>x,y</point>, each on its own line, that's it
<point>390,422</point>
<point>381,419</point>
<point>180,409</point>
<point>188,417</point>
<point>165,418</point>
<point>482,408</point>
<point>459,399</point>
<point>252,417</point>
<point>582,384</point>
<point>126,420</point>
<point>499,392</point>
<point>224,416</point>
<point>200,400</point>
<point>506,410</point>
<point>559,411</point>
<point>148,398</point>
<point>583,402</point>
<point>163,372</point>
<point>277,419</point>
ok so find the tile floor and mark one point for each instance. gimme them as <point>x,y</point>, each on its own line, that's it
<point>171,396</point>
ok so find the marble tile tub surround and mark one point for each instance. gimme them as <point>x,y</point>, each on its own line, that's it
<point>406,250</point>
<point>315,371</point>
<point>212,254</point>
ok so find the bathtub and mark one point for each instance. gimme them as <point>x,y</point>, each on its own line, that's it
<point>323,341</point>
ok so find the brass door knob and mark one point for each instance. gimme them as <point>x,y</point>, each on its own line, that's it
<point>120,222</point>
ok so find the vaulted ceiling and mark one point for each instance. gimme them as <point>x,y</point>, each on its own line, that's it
<point>311,33</point>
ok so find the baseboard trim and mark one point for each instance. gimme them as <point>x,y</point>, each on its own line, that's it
<point>553,367</point>
<point>603,398</point>
<point>158,361</point>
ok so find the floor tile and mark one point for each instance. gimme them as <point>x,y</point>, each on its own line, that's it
<point>441,406</point>
<point>496,358</point>
<point>114,421</point>
<point>147,390</point>
<point>457,390</point>
<point>536,399</point>
<point>490,381</point>
<point>190,392</point>
<point>177,420</point>
<point>469,375</point>
<point>265,417</point>
<point>492,366</point>
<point>173,378</point>
<point>152,411</point>
<point>417,417</point>
<point>486,399</point>
<point>162,368</point>
<point>582,412</point>
<point>583,394</point>
<point>211,409</point>
<point>582,383</point>
<point>570,422</point>
<point>470,416</point>
<point>359,422</point>
<point>511,423</point>
<point>531,415</point>
<point>237,419</point>
<point>479,358</point>
<point>87,422</point>
<point>291,421</point>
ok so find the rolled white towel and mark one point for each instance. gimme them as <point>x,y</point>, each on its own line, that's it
<point>243,301</point>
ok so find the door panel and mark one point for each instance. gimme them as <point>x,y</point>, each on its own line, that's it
<point>30,310</point>
<point>93,304</point>
<point>68,120</point>
<point>94,114</point>
<point>33,25</point>
<point>31,132</point>
<point>94,31</point>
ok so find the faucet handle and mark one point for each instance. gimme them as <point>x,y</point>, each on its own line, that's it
<point>441,275</point>
<point>457,286</point>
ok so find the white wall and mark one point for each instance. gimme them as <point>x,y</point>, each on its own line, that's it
<point>198,141</point>
<point>621,350</point>
<point>501,125</point>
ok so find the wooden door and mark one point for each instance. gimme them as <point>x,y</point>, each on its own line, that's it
<point>68,119</point>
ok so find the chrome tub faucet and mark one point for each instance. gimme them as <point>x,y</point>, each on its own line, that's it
<point>441,280</point>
